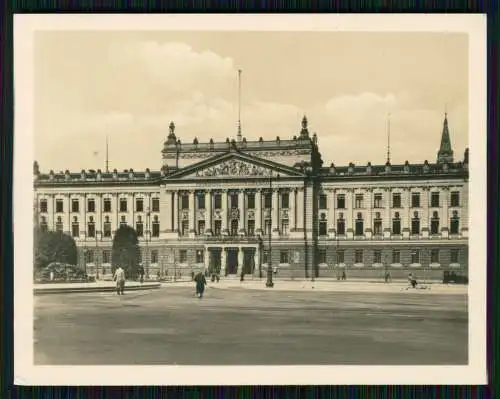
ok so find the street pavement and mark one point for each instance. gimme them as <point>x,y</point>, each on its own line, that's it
<point>236,325</point>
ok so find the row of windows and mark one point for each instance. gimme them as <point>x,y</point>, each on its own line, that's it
<point>234,201</point>
<point>396,200</point>
<point>91,256</point>
<point>106,204</point>
<point>415,227</point>
<point>395,257</point>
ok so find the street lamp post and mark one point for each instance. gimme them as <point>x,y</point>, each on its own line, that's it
<point>269,282</point>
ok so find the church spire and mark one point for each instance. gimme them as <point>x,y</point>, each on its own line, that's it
<point>445,153</point>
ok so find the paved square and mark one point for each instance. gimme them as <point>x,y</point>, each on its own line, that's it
<point>250,327</point>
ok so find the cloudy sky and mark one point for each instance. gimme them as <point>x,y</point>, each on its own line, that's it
<point>128,86</point>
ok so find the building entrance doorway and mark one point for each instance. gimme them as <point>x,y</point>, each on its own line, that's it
<point>249,261</point>
<point>214,265</point>
<point>232,261</point>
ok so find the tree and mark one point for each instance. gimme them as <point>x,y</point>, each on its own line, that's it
<point>52,246</point>
<point>125,252</point>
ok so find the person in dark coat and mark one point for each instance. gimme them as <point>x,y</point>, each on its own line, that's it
<point>200,284</point>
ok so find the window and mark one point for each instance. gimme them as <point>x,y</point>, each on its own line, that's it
<point>89,256</point>
<point>435,223</point>
<point>75,228</point>
<point>155,204</point>
<point>396,224</point>
<point>322,256</point>
<point>251,201</point>
<point>106,256</point>
<point>284,227</point>
<point>139,205</point>
<point>396,200</point>
<point>454,256</point>
<point>322,201</point>
<point>90,205</point>
<point>340,256</point>
<point>75,206</point>
<point>454,223</point>
<point>396,256</point>
<point>107,205</point>
<point>217,201</point>
<point>322,228</point>
<point>200,200</point>
<point>59,225</point>
<point>91,229</point>
<point>139,257</point>
<point>201,227</point>
<point>455,198</point>
<point>43,206</point>
<point>341,226</point>
<point>59,206</point>
<point>285,199</point>
<point>184,228</point>
<point>234,227</point>
<point>183,256</point>
<point>154,256</point>
<point>284,256</point>
<point>139,228</point>
<point>358,256</point>
<point>434,255</point>
<point>251,228</point>
<point>123,205</point>
<point>415,256</point>
<point>341,201</point>
<point>377,256</point>
<point>265,256</point>
<point>267,201</point>
<point>217,227</point>
<point>359,225</point>
<point>267,226</point>
<point>358,201</point>
<point>156,227</point>
<point>199,256</point>
<point>123,221</point>
<point>107,227</point>
<point>415,200</point>
<point>377,201</point>
<point>435,199</point>
<point>234,201</point>
<point>415,225</point>
<point>43,224</point>
<point>184,201</point>
<point>377,225</point>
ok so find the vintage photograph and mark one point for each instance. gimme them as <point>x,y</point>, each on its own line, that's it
<point>251,197</point>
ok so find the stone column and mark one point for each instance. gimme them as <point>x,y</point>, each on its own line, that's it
<point>405,217</point>
<point>369,213</point>
<point>240,260</point>
<point>175,212</point>
<point>98,214</point>
<point>192,214</point>
<point>67,214</point>
<point>256,260</point>
<point>300,209</point>
<point>223,259</point>
<point>425,217</point>
<point>208,212</point>
<point>292,209</point>
<point>166,209</point>
<point>387,226</point>
<point>331,213</point>
<point>464,210</point>
<point>350,198</point>
<point>445,217</point>
<point>224,213</point>
<point>258,212</point>
<point>206,258</point>
<point>241,204</point>
<point>275,213</point>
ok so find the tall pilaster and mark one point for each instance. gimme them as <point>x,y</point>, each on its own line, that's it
<point>208,212</point>
<point>241,204</point>
<point>293,209</point>
<point>300,209</point>
<point>331,212</point>
<point>405,217</point>
<point>369,213</point>
<point>192,213</point>
<point>225,214</point>
<point>388,220</point>
<point>275,212</point>
<point>258,212</point>
<point>350,213</point>
<point>175,212</point>
<point>445,217</point>
<point>166,210</point>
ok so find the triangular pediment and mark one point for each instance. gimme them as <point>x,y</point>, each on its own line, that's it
<point>234,165</point>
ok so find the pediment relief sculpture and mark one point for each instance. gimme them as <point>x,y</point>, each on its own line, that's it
<point>233,168</point>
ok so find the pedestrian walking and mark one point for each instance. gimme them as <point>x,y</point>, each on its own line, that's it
<point>412,280</point>
<point>200,284</point>
<point>119,277</point>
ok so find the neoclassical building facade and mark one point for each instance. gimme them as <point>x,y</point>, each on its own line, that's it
<point>234,205</point>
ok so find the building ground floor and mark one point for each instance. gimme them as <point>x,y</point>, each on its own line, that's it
<point>289,259</point>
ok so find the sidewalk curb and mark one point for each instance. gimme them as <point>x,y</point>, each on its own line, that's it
<point>71,290</point>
